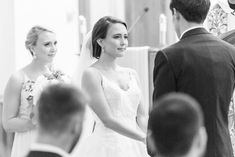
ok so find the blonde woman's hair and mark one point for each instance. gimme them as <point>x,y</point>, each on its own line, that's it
<point>33,35</point>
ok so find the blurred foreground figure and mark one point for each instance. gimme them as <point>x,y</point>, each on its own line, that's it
<point>60,115</point>
<point>176,127</point>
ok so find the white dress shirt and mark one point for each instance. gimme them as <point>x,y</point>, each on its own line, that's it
<point>200,26</point>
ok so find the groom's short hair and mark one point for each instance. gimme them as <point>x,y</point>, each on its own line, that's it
<point>192,10</point>
<point>174,121</point>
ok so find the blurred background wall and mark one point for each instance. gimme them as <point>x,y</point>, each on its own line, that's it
<point>71,20</point>
<point>7,41</point>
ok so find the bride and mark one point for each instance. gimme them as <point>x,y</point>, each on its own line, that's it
<point>115,96</point>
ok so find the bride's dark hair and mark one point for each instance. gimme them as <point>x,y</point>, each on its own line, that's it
<point>100,31</point>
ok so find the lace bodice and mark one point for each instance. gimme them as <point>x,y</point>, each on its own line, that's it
<point>123,103</point>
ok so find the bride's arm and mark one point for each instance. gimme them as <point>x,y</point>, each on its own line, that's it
<point>142,117</point>
<point>91,84</point>
<point>11,103</point>
<point>143,109</point>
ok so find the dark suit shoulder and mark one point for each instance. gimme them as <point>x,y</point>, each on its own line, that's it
<point>204,43</point>
<point>42,154</point>
<point>173,52</point>
<point>170,50</point>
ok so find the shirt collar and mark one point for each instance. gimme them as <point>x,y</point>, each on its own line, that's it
<point>48,148</point>
<point>191,28</point>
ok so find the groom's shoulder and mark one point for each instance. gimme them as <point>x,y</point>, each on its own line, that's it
<point>173,49</point>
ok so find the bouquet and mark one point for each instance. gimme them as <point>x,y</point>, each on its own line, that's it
<point>56,76</point>
<point>35,88</point>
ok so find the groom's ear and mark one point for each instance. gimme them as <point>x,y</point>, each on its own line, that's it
<point>99,41</point>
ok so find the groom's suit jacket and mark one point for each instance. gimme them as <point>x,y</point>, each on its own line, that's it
<point>202,66</point>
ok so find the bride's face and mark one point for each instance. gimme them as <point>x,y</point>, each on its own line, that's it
<point>116,40</point>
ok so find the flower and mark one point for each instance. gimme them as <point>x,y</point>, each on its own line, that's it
<point>58,74</point>
<point>217,20</point>
<point>28,86</point>
<point>55,75</point>
<point>29,98</point>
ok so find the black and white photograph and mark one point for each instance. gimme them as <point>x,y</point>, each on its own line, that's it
<point>117,78</point>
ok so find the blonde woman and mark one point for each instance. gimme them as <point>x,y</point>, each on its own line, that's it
<point>22,89</point>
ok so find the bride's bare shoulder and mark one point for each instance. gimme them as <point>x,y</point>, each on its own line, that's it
<point>91,72</point>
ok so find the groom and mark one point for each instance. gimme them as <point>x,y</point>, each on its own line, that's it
<point>202,66</point>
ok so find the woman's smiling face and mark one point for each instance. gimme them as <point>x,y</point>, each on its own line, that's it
<point>46,47</point>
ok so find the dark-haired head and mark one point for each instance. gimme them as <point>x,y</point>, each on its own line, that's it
<point>100,30</point>
<point>57,106</point>
<point>192,10</point>
<point>174,122</point>
<point>232,5</point>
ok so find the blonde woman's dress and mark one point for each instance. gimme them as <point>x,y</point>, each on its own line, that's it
<point>30,93</point>
<point>22,140</point>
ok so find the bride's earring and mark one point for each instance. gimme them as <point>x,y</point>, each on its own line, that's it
<point>102,49</point>
<point>99,41</point>
<point>34,56</point>
<point>33,53</point>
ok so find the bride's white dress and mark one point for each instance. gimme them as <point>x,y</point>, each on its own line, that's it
<point>105,142</point>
